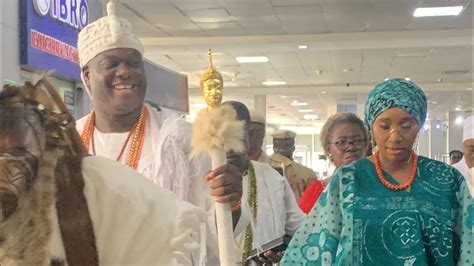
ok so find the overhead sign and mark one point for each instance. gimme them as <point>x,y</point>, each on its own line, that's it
<point>49,30</point>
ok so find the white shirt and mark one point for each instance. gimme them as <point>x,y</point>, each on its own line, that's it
<point>134,223</point>
<point>468,174</point>
<point>277,211</point>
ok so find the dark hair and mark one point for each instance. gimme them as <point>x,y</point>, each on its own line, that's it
<point>241,110</point>
<point>453,151</point>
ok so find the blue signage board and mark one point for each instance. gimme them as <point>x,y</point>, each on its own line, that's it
<point>48,38</point>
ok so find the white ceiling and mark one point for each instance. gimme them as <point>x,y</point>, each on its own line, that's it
<point>353,44</point>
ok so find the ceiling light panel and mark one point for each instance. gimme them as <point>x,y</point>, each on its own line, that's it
<point>251,59</point>
<point>437,11</point>
<point>274,83</point>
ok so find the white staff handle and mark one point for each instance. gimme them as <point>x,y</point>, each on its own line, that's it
<point>225,231</point>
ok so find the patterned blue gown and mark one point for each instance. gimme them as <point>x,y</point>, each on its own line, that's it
<point>358,221</point>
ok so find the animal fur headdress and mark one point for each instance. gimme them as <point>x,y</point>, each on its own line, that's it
<point>26,232</point>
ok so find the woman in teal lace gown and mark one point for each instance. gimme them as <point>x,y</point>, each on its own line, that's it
<point>393,208</point>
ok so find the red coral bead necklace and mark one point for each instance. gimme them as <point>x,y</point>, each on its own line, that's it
<point>385,182</point>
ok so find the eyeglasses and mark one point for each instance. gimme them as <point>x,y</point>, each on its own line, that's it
<point>344,144</point>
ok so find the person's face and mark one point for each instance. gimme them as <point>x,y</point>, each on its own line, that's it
<point>117,80</point>
<point>256,136</point>
<point>240,159</point>
<point>212,92</point>
<point>284,147</point>
<point>395,132</point>
<point>455,157</point>
<point>468,147</point>
<point>347,143</point>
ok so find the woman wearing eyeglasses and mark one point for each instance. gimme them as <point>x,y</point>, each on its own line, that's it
<point>344,139</point>
<point>392,208</point>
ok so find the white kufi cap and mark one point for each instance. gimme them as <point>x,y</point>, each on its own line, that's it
<point>104,34</point>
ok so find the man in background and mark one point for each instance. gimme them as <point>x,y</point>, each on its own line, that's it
<point>299,176</point>
<point>466,165</point>
<point>273,211</point>
<point>455,156</point>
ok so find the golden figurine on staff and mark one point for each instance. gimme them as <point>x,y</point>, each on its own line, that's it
<point>212,85</point>
<point>216,131</point>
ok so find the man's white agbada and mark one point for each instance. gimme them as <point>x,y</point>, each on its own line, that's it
<point>216,131</point>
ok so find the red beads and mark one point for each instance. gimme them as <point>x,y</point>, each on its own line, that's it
<point>411,178</point>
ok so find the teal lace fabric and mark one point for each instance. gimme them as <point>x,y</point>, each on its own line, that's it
<point>358,221</point>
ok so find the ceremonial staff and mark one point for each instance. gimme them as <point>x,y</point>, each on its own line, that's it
<point>217,131</point>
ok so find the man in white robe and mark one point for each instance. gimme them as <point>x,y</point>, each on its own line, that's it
<point>112,71</point>
<point>466,165</point>
<point>278,213</point>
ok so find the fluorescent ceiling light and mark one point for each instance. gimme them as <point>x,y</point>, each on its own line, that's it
<point>323,92</point>
<point>437,11</point>
<point>407,79</point>
<point>274,83</point>
<point>459,120</point>
<point>310,117</point>
<point>252,59</point>
<point>303,46</point>
<point>306,110</point>
<point>435,102</point>
<point>295,103</point>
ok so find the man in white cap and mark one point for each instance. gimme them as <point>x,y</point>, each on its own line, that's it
<point>121,127</point>
<point>299,176</point>
<point>466,165</point>
<point>256,137</point>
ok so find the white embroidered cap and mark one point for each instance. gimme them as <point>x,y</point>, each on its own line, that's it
<point>104,34</point>
<point>468,131</point>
